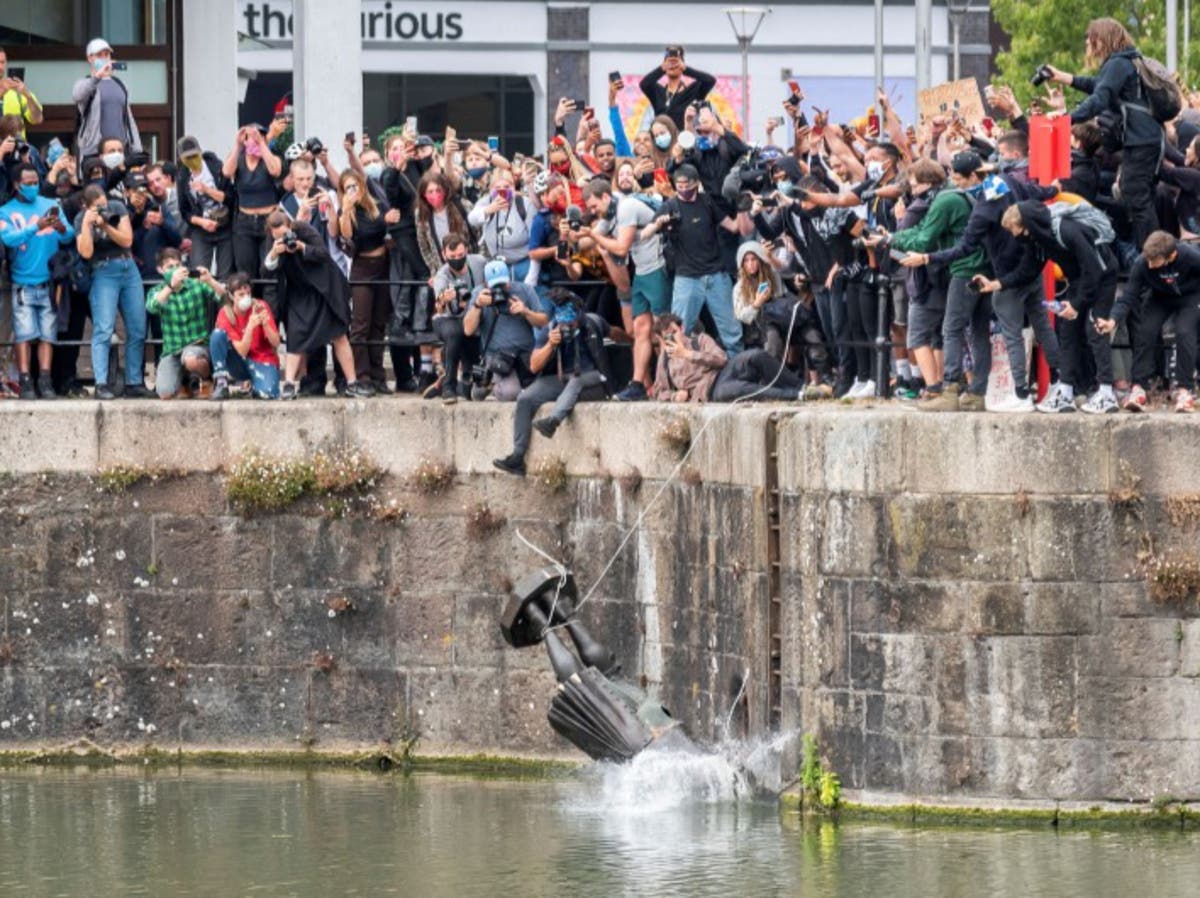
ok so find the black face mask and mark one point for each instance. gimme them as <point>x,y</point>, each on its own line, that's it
<point>457,264</point>
<point>423,165</point>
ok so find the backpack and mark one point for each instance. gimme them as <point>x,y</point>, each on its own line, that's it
<point>1164,100</point>
<point>1082,213</point>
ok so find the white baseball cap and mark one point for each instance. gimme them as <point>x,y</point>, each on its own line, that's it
<point>98,45</point>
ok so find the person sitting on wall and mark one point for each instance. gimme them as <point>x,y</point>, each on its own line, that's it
<point>182,304</point>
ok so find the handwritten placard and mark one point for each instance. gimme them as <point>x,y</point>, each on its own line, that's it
<point>960,96</point>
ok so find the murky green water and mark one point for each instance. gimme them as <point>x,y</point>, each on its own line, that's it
<point>249,833</point>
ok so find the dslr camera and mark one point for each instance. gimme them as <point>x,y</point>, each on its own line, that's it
<point>500,298</point>
<point>1041,76</point>
<point>566,312</point>
<point>290,241</point>
<point>314,146</point>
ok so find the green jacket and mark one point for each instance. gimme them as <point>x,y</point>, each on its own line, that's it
<point>940,229</point>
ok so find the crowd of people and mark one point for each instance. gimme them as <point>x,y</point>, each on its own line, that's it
<point>858,259</point>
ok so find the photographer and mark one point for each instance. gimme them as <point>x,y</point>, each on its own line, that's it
<point>453,285</point>
<point>151,230</point>
<point>245,343</point>
<point>104,236</point>
<point>568,359</point>
<point>102,103</point>
<point>32,228</point>
<point>314,301</point>
<point>673,98</point>
<point>183,304</point>
<point>504,313</point>
<point>206,207</point>
<point>701,280</point>
<point>1117,100</point>
<point>617,230</point>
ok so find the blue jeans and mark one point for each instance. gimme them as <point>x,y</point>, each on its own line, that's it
<point>117,284</point>
<point>228,362</point>
<point>715,291</point>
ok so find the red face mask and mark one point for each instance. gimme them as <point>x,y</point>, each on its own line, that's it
<point>561,168</point>
<point>558,205</point>
<point>435,198</point>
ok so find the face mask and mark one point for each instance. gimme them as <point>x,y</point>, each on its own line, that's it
<point>687,194</point>
<point>113,160</point>
<point>785,187</point>
<point>559,205</point>
<point>975,190</point>
<point>193,163</point>
<point>477,173</point>
<point>253,150</point>
<point>703,143</point>
<point>662,141</point>
<point>98,64</point>
<point>561,168</point>
<point>28,192</point>
<point>374,170</point>
<point>435,200</point>
<point>423,165</point>
<point>874,171</point>
<point>457,264</point>
<point>244,303</point>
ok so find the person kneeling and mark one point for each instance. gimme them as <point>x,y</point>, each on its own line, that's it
<point>568,359</point>
<point>245,344</point>
<point>181,304</point>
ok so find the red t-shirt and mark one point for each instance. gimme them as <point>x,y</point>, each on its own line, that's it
<point>261,350</point>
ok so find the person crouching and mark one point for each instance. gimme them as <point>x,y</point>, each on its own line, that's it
<point>181,302</point>
<point>245,345</point>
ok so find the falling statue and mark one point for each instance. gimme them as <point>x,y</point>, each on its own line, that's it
<point>601,713</point>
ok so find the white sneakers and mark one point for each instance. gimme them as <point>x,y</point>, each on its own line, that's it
<point>1057,401</point>
<point>862,389</point>
<point>1102,402</point>
<point>1012,405</point>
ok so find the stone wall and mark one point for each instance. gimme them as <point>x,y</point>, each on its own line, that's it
<point>965,609</point>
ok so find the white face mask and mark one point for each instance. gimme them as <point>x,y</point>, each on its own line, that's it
<point>373,170</point>
<point>112,160</point>
<point>874,170</point>
<point>244,303</point>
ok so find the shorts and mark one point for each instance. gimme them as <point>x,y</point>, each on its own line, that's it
<point>34,317</point>
<point>925,322</point>
<point>651,293</point>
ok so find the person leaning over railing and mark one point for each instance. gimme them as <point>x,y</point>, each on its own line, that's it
<point>182,304</point>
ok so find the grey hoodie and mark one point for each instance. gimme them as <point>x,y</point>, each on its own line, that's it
<point>743,309</point>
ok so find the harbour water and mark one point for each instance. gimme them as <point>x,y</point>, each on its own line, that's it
<point>659,831</point>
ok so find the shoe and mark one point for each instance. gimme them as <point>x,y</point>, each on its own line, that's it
<point>104,393</point>
<point>944,401</point>
<point>971,402</point>
<point>1136,400</point>
<point>546,427</point>
<point>635,392</point>
<point>511,464</point>
<point>816,392</point>
<point>288,390</point>
<point>381,387</point>
<point>451,399</point>
<point>26,388</point>
<point>360,389</point>
<point>45,387</point>
<point>136,391</point>
<point>479,393</point>
<point>76,390</point>
<point>1184,401</point>
<point>221,389</point>
<point>310,388</point>
<point>861,390</point>
<point>407,386</point>
<point>1013,404</point>
<point>904,391</point>
<point>434,390</point>
<point>426,379</point>
<point>1056,402</point>
<point>1100,403</point>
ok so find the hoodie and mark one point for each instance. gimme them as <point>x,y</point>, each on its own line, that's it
<point>745,312</point>
<point>1173,284</point>
<point>1084,263</point>
<point>1115,86</point>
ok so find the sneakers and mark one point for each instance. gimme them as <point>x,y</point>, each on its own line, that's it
<point>137,391</point>
<point>104,393</point>
<point>635,392</point>
<point>450,398</point>
<point>971,402</point>
<point>945,401</point>
<point>26,388</point>
<point>360,389</point>
<point>1056,402</point>
<point>546,427</point>
<point>862,389</point>
<point>1136,400</point>
<point>221,389</point>
<point>380,385</point>
<point>45,387</point>
<point>1184,401</point>
<point>1100,403</point>
<point>434,389</point>
<point>905,392</point>
<point>511,464</point>
<point>815,392</point>
<point>1012,405</point>
<point>288,390</point>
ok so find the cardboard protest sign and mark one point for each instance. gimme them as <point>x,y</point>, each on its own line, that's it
<point>960,96</point>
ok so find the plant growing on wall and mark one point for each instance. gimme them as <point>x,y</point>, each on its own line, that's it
<point>821,789</point>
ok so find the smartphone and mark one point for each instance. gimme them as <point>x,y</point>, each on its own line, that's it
<point>349,137</point>
<point>564,250</point>
<point>660,174</point>
<point>897,255</point>
<point>120,66</point>
<point>16,71</point>
<point>873,124</point>
<point>794,87</point>
<point>989,124</point>
<point>193,272</point>
<point>410,124</point>
<point>769,202</point>
<point>493,143</point>
<point>54,150</point>
<point>579,104</point>
<point>451,134</point>
<point>590,113</point>
<point>614,77</point>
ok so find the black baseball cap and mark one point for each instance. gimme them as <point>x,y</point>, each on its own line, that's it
<point>135,180</point>
<point>966,163</point>
<point>673,50</point>
<point>687,170</point>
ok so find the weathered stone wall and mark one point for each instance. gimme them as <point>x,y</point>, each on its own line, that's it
<point>965,610</point>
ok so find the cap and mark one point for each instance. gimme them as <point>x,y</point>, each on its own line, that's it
<point>135,180</point>
<point>496,272</point>
<point>673,50</point>
<point>966,163</point>
<point>687,171</point>
<point>98,45</point>
<point>424,140</point>
<point>188,146</point>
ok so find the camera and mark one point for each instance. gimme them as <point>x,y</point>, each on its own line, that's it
<point>462,296</point>
<point>194,273</point>
<point>314,146</point>
<point>500,297</point>
<point>20,148</point>
<point>289,240</point>
<point>566,312</point>
<point>112,219</point>
<point>1041,76</point>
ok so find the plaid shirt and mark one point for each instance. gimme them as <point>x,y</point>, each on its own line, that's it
<point>184,316</point>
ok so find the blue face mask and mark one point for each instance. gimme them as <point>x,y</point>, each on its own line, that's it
<point>975,191</point>
<point>662,141</point>
<point>785,187</point>
<point>703,143</point>
<point>477,173</point>
<point>28,192</point>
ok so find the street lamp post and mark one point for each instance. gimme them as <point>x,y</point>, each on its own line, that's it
<point>957,10</point>
<point>745,21</point>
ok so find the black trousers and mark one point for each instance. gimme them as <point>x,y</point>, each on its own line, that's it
<point>457,350</point>
<point>1073,335</point>
<point>862,310</point>
<point>249,244</point>
<point>1139,167</point>
<point>748,372</point>
<point>64,364</point>
<point>1154,314</point>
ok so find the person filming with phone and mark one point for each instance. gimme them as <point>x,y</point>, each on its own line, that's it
<point>102,100</point>
<point>16,98</point>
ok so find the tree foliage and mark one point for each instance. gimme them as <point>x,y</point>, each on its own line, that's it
<point>1053,32</point>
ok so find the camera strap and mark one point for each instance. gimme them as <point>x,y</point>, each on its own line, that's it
<point>487,334</point>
